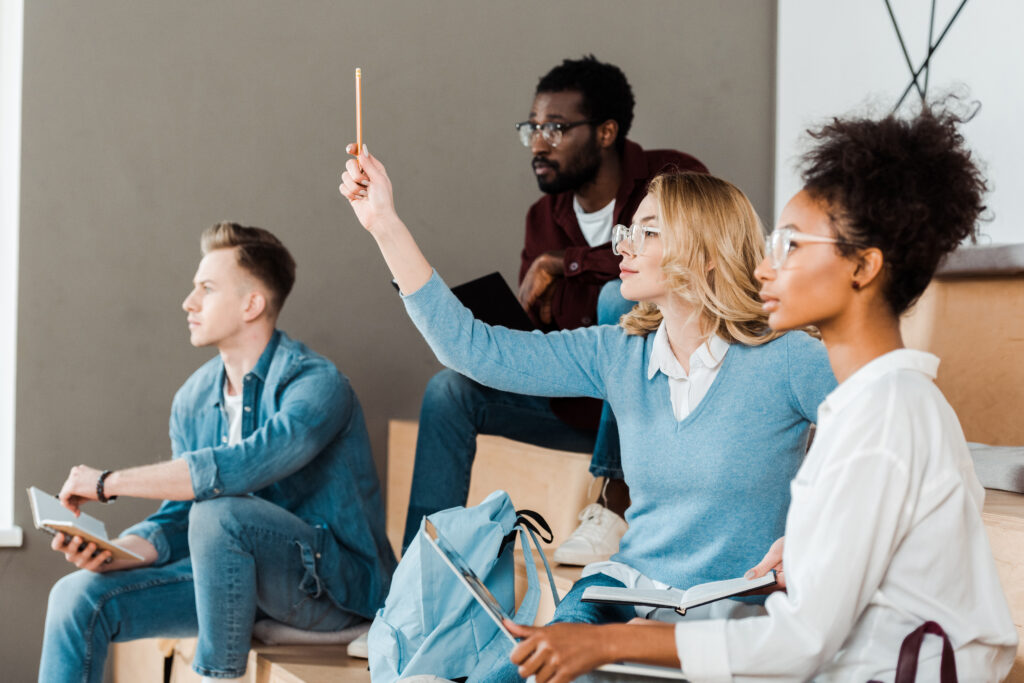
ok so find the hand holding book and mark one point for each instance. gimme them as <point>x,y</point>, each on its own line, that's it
<point>771,561</point>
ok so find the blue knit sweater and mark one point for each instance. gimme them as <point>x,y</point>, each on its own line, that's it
<point>709,493</point>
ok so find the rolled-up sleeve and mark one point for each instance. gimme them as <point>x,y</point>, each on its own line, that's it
<point>314,408</point>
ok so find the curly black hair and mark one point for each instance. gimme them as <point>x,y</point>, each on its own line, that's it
<point>605,90</point>
<point>909,187</point>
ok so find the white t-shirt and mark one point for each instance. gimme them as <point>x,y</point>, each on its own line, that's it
<point>884,532</point>
<point>597,226</point>
<point>233,408</point>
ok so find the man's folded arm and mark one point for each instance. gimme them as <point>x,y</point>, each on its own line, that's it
<point>315,407</point>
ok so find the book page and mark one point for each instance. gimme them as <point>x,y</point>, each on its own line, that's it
<point>716,590</point>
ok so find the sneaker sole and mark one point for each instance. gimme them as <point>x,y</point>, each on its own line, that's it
<point>576,559</point>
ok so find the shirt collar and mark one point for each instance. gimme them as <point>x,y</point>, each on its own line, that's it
<point>900,359</point>
<point>708,355</point>
<point>261,369</point>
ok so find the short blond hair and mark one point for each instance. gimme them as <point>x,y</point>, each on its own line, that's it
<point>712,241</point>
<point>259,253</point>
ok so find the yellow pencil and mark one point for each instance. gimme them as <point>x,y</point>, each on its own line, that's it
<point>359,111</point>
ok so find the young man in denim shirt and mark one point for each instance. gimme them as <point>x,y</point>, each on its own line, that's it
<point>271,507</point>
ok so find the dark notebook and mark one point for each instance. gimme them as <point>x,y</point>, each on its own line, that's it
<point>492,301</point>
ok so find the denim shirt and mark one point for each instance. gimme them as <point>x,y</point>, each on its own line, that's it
<point>304,447</point>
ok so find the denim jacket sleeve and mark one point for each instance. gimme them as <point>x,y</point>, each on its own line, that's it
<point>312,409</point>
<point>167,528</point>
<point>563,363</point>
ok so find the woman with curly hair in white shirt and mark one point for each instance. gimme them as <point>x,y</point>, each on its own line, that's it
<point>884,533</point>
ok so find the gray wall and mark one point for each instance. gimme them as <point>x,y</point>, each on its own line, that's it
<point>146,121</point>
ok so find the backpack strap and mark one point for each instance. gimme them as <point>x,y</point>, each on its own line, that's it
<point>527,612</point>
<point>531,520</point>
<point>906,667</point>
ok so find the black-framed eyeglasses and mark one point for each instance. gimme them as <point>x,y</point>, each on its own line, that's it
<point>551,131</point>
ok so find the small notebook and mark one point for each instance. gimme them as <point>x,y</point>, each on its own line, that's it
<point>50,516</point>
<point>678,600</point>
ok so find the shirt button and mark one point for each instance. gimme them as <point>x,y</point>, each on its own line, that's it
<point>318,556</point>
<point>223,439</point>
<point>216,490</point>
<point>574,266</point>
<point>248,377</point>
<point>586,321</point>
<point>248,409</point>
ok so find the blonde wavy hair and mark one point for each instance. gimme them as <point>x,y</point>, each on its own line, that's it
<point>712,240</point>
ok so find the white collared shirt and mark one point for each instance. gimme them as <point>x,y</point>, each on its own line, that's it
<point>883,533</point>
<point>686,389</point>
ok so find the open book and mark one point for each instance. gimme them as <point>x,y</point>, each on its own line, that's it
<point>50,516</point>
<point>678,600</point>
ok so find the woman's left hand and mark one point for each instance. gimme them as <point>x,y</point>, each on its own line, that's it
<point>560,652</point>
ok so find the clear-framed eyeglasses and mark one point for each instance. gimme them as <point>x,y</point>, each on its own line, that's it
<point>783,240</point>
<point>634,236</point>
<point>551,131</point>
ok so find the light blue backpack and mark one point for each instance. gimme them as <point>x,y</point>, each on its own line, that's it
<point>430,623</point>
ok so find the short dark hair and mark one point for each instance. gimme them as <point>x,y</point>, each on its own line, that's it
<point>260,253</point>
<point>606,92</point>
<point>909,187</point>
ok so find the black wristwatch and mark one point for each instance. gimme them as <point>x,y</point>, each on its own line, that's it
<point>100,496</point>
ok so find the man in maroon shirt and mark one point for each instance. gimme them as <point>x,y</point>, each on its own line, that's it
<point>593,178</point>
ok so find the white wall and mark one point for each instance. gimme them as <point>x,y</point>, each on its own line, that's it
<point>11,12</point>
<point>836,56</point>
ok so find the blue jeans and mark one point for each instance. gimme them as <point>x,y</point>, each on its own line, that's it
<point>572,609</point>
<point>455,409</point>
<point>249,558</point>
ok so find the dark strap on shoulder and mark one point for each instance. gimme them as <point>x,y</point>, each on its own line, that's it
<point>906,667</point>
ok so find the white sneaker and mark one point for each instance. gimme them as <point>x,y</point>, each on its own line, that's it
<point>595,539</point>
<point>360,647</point>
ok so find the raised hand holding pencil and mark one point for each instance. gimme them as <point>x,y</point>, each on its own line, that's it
<point>366,185</point>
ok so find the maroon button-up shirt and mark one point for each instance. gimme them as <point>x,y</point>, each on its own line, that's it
<point>551,226</point>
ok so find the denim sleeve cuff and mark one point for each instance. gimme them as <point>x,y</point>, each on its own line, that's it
<point>154,533</point>
<point>202,467</point>
<point>701,646</point>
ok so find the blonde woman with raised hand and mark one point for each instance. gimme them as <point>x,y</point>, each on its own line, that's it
<point>713,408</point>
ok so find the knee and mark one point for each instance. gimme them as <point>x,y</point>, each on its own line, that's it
<point>447,391</point>
<point>73,599</point>
<point>610,304</point>
<point>211,521</point>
